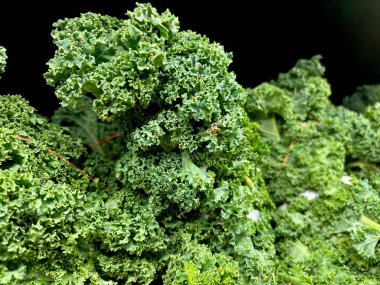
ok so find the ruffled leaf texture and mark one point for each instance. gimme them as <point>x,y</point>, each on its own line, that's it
<point>323,175</point>
<point>180,199</point>
<point>41,196</point>
<point>3,59</point>
<point>364,96</point>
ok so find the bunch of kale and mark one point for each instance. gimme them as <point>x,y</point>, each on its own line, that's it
<point>177,198</point>
<point>323,175</point>
<point>152,172</point>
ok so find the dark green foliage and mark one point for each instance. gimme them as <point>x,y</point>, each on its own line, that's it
<point>41,196</point>
<point>117,61</point>
<point>366,95</point>
<point>189,178</point>
<point>179,197</point>
<point>3,58</point>
<point>323,175</point>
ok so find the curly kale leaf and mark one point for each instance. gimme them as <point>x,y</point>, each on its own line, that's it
<point>167,175</point>
<point>23,123</point>
<point>322,174</point>
<point>197,265</point>
<point>300,94</point>
<point>363,141</point>
<point>116,61</point>
<point>364,96</point>
<point>58,227</point>
<point>372,113</point>
<point>186,165</point>
<point>41,196</point>
<point>367,236</point>
<point>368,246</point>
<point>3,59</point>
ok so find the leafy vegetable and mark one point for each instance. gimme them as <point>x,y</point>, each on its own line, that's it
<point>323,175</point>
<point>3,58</point>
<point>41,196</point>
<point>364,96</point>
<point>180,169</point>
<point>159,168</point>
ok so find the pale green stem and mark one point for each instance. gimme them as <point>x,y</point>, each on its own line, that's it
<point>369,223</point>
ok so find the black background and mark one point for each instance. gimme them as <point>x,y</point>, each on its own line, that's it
<point>266,37</point>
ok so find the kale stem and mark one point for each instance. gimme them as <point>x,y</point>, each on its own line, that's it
<point>363,166</point>
<point>369,223</point>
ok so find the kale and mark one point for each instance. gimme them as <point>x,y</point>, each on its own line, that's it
<point>160,168</point>
<point>177,196</point>
<point>323,175</point>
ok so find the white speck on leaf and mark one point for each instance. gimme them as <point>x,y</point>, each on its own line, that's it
<point>283,207</point>
<point>346,180</point>
<point>254,215</point>
<point>309,194</point>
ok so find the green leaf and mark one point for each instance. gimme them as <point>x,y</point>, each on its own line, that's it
<point>368,246</point>
<point>3,59</point>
